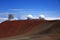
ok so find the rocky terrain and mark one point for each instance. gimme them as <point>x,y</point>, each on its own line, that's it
<point>30,30</point>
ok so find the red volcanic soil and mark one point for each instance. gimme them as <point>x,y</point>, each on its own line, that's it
<point>19,27</point>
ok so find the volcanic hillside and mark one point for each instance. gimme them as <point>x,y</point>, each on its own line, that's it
<point>27,27</point>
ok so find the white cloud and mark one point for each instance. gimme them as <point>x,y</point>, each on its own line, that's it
<point>16,9</point>
<point>51,18</point>
<point>43,16</point>
<point>4,19</point>
<point>21,9</point>
<point>14,19</point>
<point>47,18</point>
<point>7,19</point>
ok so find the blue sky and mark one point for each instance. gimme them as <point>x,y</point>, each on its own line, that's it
<point>22,8</point>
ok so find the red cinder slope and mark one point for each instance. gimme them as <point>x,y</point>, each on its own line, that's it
<point>19,27</point>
